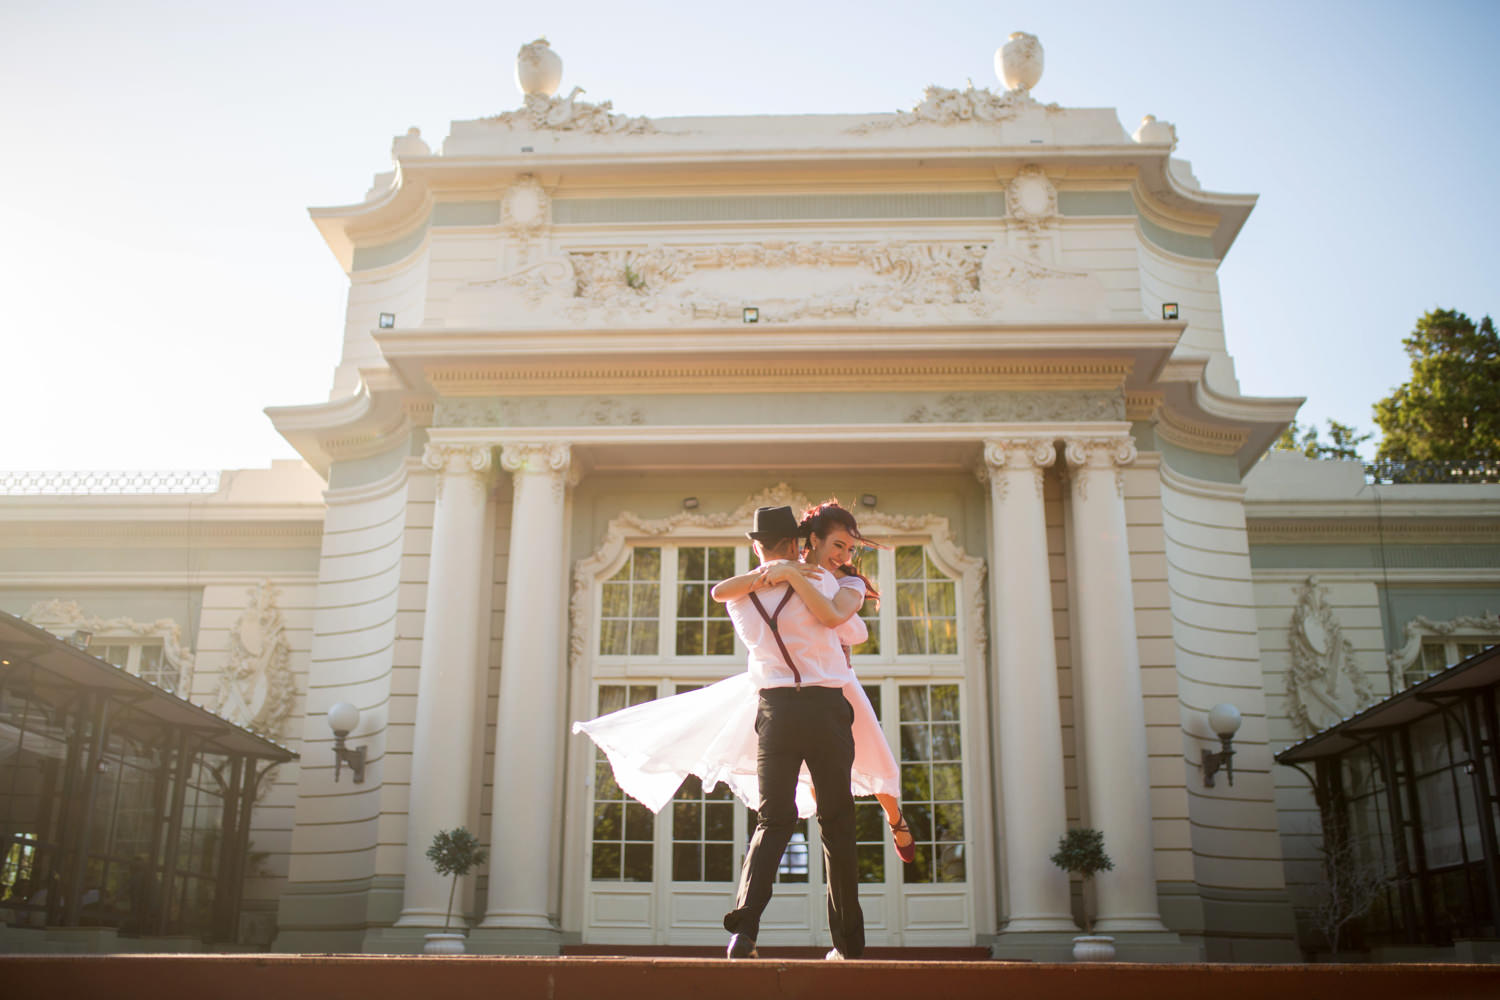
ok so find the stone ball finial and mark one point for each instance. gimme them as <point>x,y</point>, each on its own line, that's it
<point>1155,133</point>
<point>1018,62</point>
<point>538,69</point>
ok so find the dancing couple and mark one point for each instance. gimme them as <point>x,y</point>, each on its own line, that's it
<point>793,734</point>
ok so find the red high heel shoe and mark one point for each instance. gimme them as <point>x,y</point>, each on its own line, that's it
<point>908,853</point>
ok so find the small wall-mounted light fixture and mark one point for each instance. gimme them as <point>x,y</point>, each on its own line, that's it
<point>342,718</point>
<point>689,503</point>
<point>80,638</point>
<point>387,321</point>
<point>1224,720</point>
<point>527,149</point>
<point>1169,310</point>
<point>750,314</point>
<point>867,499</point>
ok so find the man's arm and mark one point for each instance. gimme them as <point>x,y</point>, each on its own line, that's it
<point>756,579</point>
<point>831,613</point>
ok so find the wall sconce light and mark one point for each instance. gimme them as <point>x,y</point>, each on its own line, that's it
<point>867,499</point>
<point>689,503</point>
<point>80,638</point>
<point>342,718</point>
<point>750,314</point>
<point>387,321</point>
<point>1169,310</point>
<point>1225,721</point>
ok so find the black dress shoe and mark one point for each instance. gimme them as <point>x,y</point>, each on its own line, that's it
<point>741,946</point>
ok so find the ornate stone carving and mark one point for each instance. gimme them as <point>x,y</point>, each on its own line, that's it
<point>552,460</point>
<point>1085,454</point>
<point>538,68</point>
<point>542,112</point>
<point>531,458</point>
<point>786,281</point>
<point>1484,628</point>
<point>841,278</point>
<point>470,463</point>
<point>1020,407</point>
<point>1031,205</point>
<point>63,618</point>
<point>941,106</point>
<point>1324,684</point>
<point>1024,454</point>
<point>256,689</point>
<point>951,557</point>
<point>1018,63</point>
<point>525,208</point>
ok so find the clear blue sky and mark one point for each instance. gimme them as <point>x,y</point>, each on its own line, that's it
<point>161,282</point>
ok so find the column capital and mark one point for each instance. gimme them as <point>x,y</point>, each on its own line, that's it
<point>1099,452</point>
<point>457,459</point>
<point>1019,453</point>
<point>522,457</point>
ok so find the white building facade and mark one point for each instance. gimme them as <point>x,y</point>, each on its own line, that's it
<point>580,349</point>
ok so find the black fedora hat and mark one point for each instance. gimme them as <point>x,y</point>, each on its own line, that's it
<point>772,523</point>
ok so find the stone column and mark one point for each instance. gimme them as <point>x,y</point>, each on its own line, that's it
<point>451,676</point>
<point>533,668</point>
<point>1028,719</point>
<point>1107,677</point>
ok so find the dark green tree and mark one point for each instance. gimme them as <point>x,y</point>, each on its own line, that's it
<point>1449,410</point>
<point>1081,853</point>
<point>1345,441</point>
<point>456,852</point>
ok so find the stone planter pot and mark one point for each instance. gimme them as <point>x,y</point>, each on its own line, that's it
<point>442,943</point>
<point>1093,948</point>
<point>1019,62</point>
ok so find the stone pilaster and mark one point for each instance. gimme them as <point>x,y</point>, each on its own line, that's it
<point>451,675</point>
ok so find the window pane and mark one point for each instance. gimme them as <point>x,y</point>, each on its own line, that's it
<point>643,638</point>
<point>703,626</point>
<point>909,562</point>
<point>932,783</point>
<point>622,827</point>
<point>909,600</point>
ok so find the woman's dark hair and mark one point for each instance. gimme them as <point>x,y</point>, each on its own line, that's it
<point>822,518</point>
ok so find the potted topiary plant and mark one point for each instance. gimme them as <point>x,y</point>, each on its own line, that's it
<point>1081,853</point>
<point>456,853</point>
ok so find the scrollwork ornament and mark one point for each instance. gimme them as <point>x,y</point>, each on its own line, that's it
<point>455,461</point>
<point>1027,454</point>
<point>552,460</point>
<point>1324,683</point>
<point>1094,454</point>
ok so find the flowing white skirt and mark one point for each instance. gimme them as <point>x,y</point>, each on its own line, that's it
<point>710,732</point>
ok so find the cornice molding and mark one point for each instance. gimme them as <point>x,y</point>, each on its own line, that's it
<point>1329,531</point>
<point>674,375</point>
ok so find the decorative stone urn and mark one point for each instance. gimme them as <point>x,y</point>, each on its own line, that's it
<point>1156,133</point>
<point>538,69</point>
<point>1018,62</point>
<point>1091,948</point>
<point>444,943</point>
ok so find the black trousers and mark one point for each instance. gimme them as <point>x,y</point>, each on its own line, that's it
<point>812,724</point>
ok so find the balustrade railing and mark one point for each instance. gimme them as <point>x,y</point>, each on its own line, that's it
<point>74,483</point>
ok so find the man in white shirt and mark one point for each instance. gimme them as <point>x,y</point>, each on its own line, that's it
<point>783,611</point>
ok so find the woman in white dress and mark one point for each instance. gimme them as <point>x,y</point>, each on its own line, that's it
<point>833,543</point>
<point>710,732</point>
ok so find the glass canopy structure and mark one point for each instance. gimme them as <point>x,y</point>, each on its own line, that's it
<point>121,805</point>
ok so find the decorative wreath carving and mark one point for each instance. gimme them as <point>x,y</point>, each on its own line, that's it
<point>1324,684</point>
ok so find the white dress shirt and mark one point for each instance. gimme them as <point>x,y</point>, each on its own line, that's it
<point>815,648</point>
